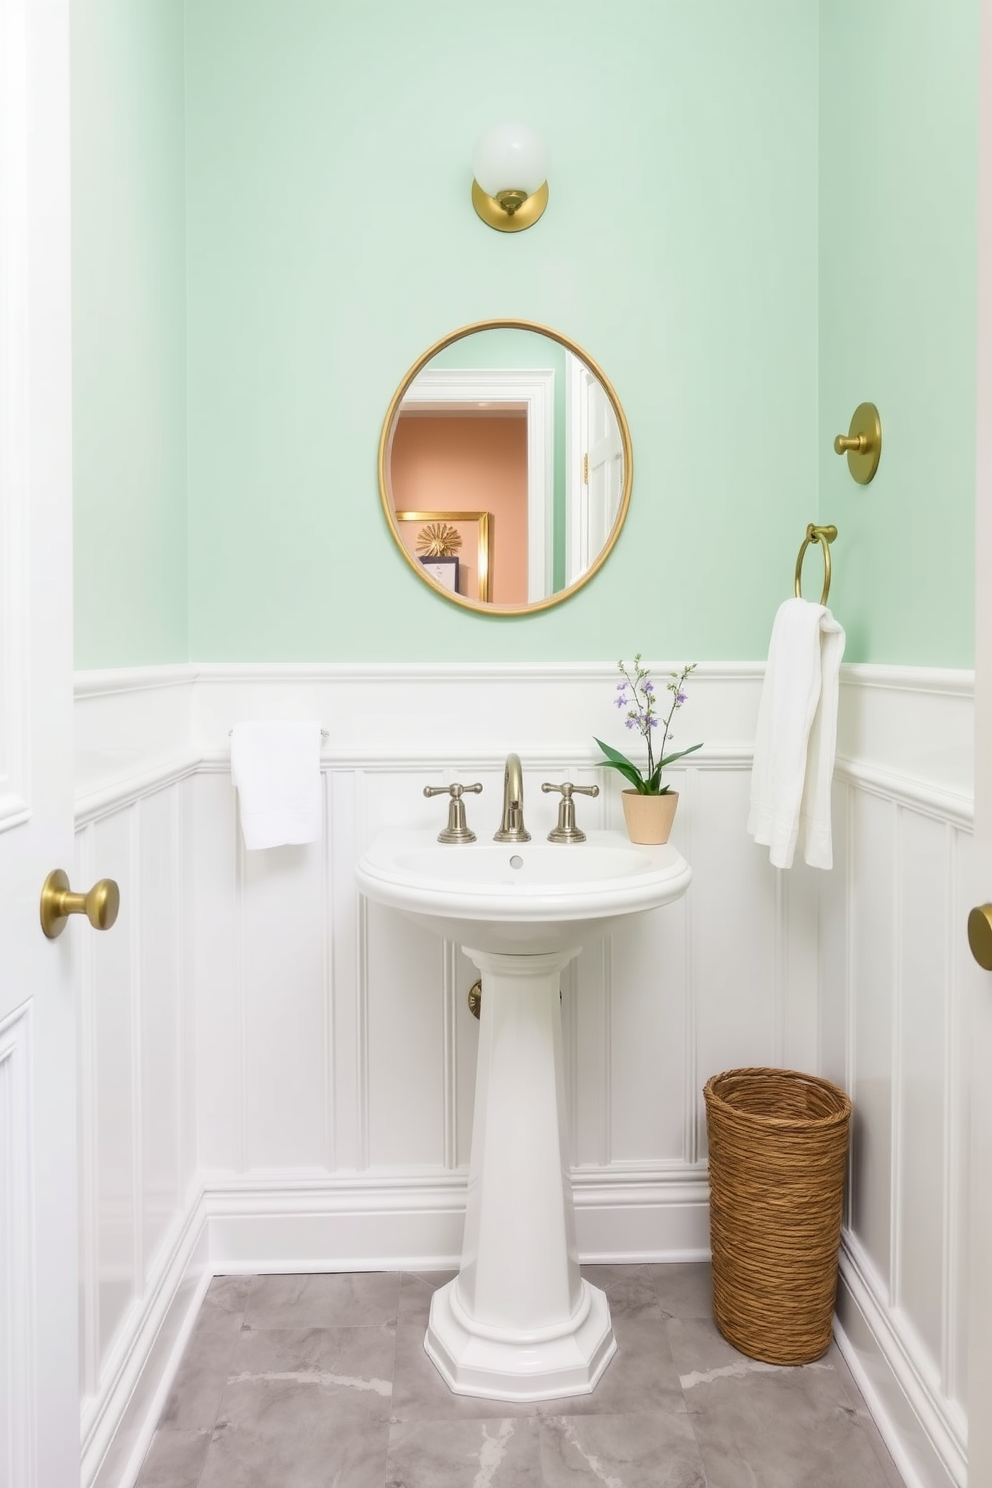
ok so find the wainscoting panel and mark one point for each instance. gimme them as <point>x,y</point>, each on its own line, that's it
<point>220,1012</point>
<point>278,1075</point>
<point>893,1029</point>
<point>111,1096</point>
<point>282,913</point>
<point>159,914</point>
<point>137,1133</point>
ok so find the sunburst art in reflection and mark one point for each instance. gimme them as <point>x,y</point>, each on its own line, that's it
<point>438,540</point>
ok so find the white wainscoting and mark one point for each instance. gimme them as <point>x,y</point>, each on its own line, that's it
<point>277,1075</point>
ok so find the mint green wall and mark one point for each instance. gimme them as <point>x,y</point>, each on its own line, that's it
<point>129,332</point>
<point>332,239</point>
<point>898,228</point>
<point>775,225</point>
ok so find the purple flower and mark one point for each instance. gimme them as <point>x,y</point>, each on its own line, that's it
<point>648,687</point>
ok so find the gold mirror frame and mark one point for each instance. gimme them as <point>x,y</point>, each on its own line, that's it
<point>485,607</point>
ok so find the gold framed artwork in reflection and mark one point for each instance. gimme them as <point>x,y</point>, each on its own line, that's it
<point>472,535</point>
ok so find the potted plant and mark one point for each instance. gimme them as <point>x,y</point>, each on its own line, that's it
<point>648,806</point>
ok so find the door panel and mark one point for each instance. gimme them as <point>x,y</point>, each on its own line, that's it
<point>39,1403</point>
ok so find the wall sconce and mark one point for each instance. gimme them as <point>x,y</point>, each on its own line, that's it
<point>510,166</point>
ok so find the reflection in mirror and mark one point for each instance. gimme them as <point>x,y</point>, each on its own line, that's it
<point>505,466</point>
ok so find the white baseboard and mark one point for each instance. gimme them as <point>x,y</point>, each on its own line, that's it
<point>927,1446</point>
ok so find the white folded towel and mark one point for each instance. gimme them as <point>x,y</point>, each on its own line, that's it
<point>276,768</point>
<point>796,738</point>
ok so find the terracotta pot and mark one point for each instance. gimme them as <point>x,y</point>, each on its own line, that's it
<point>649,818</point>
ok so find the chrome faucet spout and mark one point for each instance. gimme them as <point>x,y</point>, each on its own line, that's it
<point>511,828</point>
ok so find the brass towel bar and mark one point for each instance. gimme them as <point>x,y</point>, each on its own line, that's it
<point>824,536</point>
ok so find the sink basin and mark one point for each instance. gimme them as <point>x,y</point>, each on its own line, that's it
<point>519,1322</point>
<point>523,898</point>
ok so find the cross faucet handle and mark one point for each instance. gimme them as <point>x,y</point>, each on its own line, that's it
<point>457,829</point>
<point>566,830</point>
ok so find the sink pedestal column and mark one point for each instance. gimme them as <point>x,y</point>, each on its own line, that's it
<point>519,1322</point>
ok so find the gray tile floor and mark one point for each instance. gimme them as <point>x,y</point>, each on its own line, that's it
<point>322,1382</point>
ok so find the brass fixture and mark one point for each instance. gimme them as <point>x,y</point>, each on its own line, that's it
<point>509,167</point>
<point>58,902</point>
<point>863,443</point>
<point>566,830</point>
<point>980,935</point>
<point>457,829</point>
<point>824,536</point>
<point>511,828</point>
<point>509,211</point>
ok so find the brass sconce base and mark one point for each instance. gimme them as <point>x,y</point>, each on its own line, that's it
<point>493,215</point>
<point>863,443</point>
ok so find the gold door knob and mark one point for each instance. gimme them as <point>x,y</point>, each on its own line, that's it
<point>58,902</point>
<point>980,935</point>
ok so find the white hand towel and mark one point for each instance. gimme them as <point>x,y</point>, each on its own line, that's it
<point>796,738</point>
<point>276,768</point>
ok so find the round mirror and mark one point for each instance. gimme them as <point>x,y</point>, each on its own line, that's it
<point>505,467</point>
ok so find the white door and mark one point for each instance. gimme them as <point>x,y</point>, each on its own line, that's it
<point>980,1191</point>
<point>605,469</point>
<point>39,1401</point>
<point>594,481</point>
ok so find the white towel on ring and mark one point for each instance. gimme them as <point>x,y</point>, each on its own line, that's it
<point>796,738</point>
<point>276,768</point>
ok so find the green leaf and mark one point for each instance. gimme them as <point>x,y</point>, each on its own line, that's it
<point>617,761</point>
<point>670,757</point>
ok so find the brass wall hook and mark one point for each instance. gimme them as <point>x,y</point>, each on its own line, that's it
<point>863,443</point>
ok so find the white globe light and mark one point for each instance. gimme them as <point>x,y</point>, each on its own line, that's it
<point>510,157</point>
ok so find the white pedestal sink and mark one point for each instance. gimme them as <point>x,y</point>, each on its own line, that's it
<point>519,1322</point>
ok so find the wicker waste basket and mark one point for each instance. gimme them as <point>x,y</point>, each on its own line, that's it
<point>777,1158</point>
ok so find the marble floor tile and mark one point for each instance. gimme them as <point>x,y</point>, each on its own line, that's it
<point>657,1450</point>
<point>229,1293</point>
<point>684,1288</point>
<point>498,1453</point>
<point>281,1441</point>
<point>300,1381</point>
<point>761,1423</point>
<point>340,1366</point>
<point>174,1459</point>
<point>196,1391</point>
<point>606,1274</point>
<point>641,1377</point>
<point>416,1290</point>
<point>361,1300</point>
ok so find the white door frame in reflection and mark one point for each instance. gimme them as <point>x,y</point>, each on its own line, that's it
<point>532,389</point>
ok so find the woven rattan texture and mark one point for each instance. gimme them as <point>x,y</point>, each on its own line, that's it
<point>777,1157</point>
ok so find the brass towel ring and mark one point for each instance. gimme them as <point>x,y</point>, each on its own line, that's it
<point>824,536</point>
